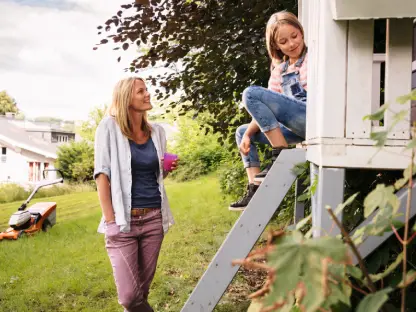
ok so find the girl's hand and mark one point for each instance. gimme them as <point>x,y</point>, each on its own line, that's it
<point>245,145</point>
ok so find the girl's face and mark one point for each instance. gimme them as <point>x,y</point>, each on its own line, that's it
<point>140,101</point>
<point>290,41</point>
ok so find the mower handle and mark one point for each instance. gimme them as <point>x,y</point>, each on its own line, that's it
<point>42,184</point>
<point>62,175</point>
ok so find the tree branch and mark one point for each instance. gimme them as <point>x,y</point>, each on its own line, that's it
<point>347,282</point>
<point>397,234</point>
<point>347,237</point>
<point>406,225</point>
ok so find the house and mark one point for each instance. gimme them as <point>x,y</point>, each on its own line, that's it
<point>51,132</point>
<point>23,156</point>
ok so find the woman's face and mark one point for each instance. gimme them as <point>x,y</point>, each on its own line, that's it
<point>140,101</point>
<point>290,41</point>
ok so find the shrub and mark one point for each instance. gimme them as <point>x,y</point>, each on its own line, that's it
<point>199,152</point>
<point>76,161</point>
<point>232,175</point>
<point>14,192</point>
<point>10,192</point>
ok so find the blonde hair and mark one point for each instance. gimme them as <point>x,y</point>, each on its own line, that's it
<point>272,30</point>
<point>119,108</point>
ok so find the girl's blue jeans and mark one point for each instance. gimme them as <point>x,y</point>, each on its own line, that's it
<point>271,110</point>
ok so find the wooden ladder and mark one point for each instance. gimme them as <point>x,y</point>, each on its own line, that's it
<point>245,232</point>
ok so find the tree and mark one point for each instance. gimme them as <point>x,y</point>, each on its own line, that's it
<point>7,104</point>
<point>219,45</point>
<point>87,128</point>
<point>76,161</point>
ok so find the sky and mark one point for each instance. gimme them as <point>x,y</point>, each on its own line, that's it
<point>47,61</point>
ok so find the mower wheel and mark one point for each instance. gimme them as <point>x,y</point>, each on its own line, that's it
<point>46,226</point>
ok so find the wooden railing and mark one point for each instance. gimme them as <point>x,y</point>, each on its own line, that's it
<point>378,61</point>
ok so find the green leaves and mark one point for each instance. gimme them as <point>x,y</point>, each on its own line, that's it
<point>406,176</point>
<point>76,160</point>
<point>88,127</point>
<point>412,144</point>
<point>300,168</point>
<point>309,191</point>
<point>410,278</point>
<point>406,98</point>
<point>386,272</point>
<point>354,272</point>
<point>379,114</point>
<point>380,137</point>
<point>381,197</point>
<point>348,202</point>
<point>303,269</point>
<point>7,103</point>
<point>384,199</point>
<point>373,302</point>
<point>220,48</point>
<point>303,222</point>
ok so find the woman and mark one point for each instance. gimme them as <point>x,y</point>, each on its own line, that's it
<point>129,175</point>
<point>279,112</point>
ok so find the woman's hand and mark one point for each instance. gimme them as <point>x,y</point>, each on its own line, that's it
<point>175,165</point>
<point>245,145</point>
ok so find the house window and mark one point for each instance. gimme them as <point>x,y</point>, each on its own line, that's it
<point>30,171</point>
<point>3,156</point>
<point>62,138</point>
<point>45,173</point>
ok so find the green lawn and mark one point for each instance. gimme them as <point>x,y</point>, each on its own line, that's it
<point>67,269</point>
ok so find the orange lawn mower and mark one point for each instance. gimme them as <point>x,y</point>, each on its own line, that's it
<point>38,217</point>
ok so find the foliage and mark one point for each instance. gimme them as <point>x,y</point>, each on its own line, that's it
<point>88,127</point>
<point>20,115</point>
<point>212,51</point>
<point>10,192</point>
<point>7,104</point>
<point>199,153</point>
<point>319,274</point>
<point>232,175</point>
<point>76,160</point>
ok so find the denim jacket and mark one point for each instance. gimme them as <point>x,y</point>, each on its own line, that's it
<point>113,158</point>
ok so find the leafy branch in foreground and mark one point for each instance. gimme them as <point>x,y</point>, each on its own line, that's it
<point>318,274</point>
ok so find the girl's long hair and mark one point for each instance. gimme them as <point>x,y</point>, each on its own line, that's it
<point>119,108</point>
<point>272,31</point>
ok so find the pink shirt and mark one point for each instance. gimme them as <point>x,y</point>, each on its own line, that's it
<point>276,75</point>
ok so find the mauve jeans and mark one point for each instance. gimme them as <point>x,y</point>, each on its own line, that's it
<point>133,257</point>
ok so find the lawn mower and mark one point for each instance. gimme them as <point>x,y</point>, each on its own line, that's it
<point>38,217</point>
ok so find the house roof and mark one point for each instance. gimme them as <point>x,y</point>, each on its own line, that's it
<point>17,137</point>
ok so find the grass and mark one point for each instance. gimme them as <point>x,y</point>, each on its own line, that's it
<point>67,269</point>
<point>10,192</point>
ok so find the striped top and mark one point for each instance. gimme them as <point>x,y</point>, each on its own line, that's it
<point>276,75</point>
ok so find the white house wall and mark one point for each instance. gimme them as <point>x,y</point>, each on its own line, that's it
<point>16,167</point>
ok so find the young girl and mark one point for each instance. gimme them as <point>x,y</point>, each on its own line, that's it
<point>129,176</point>
<point>279,112</point>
